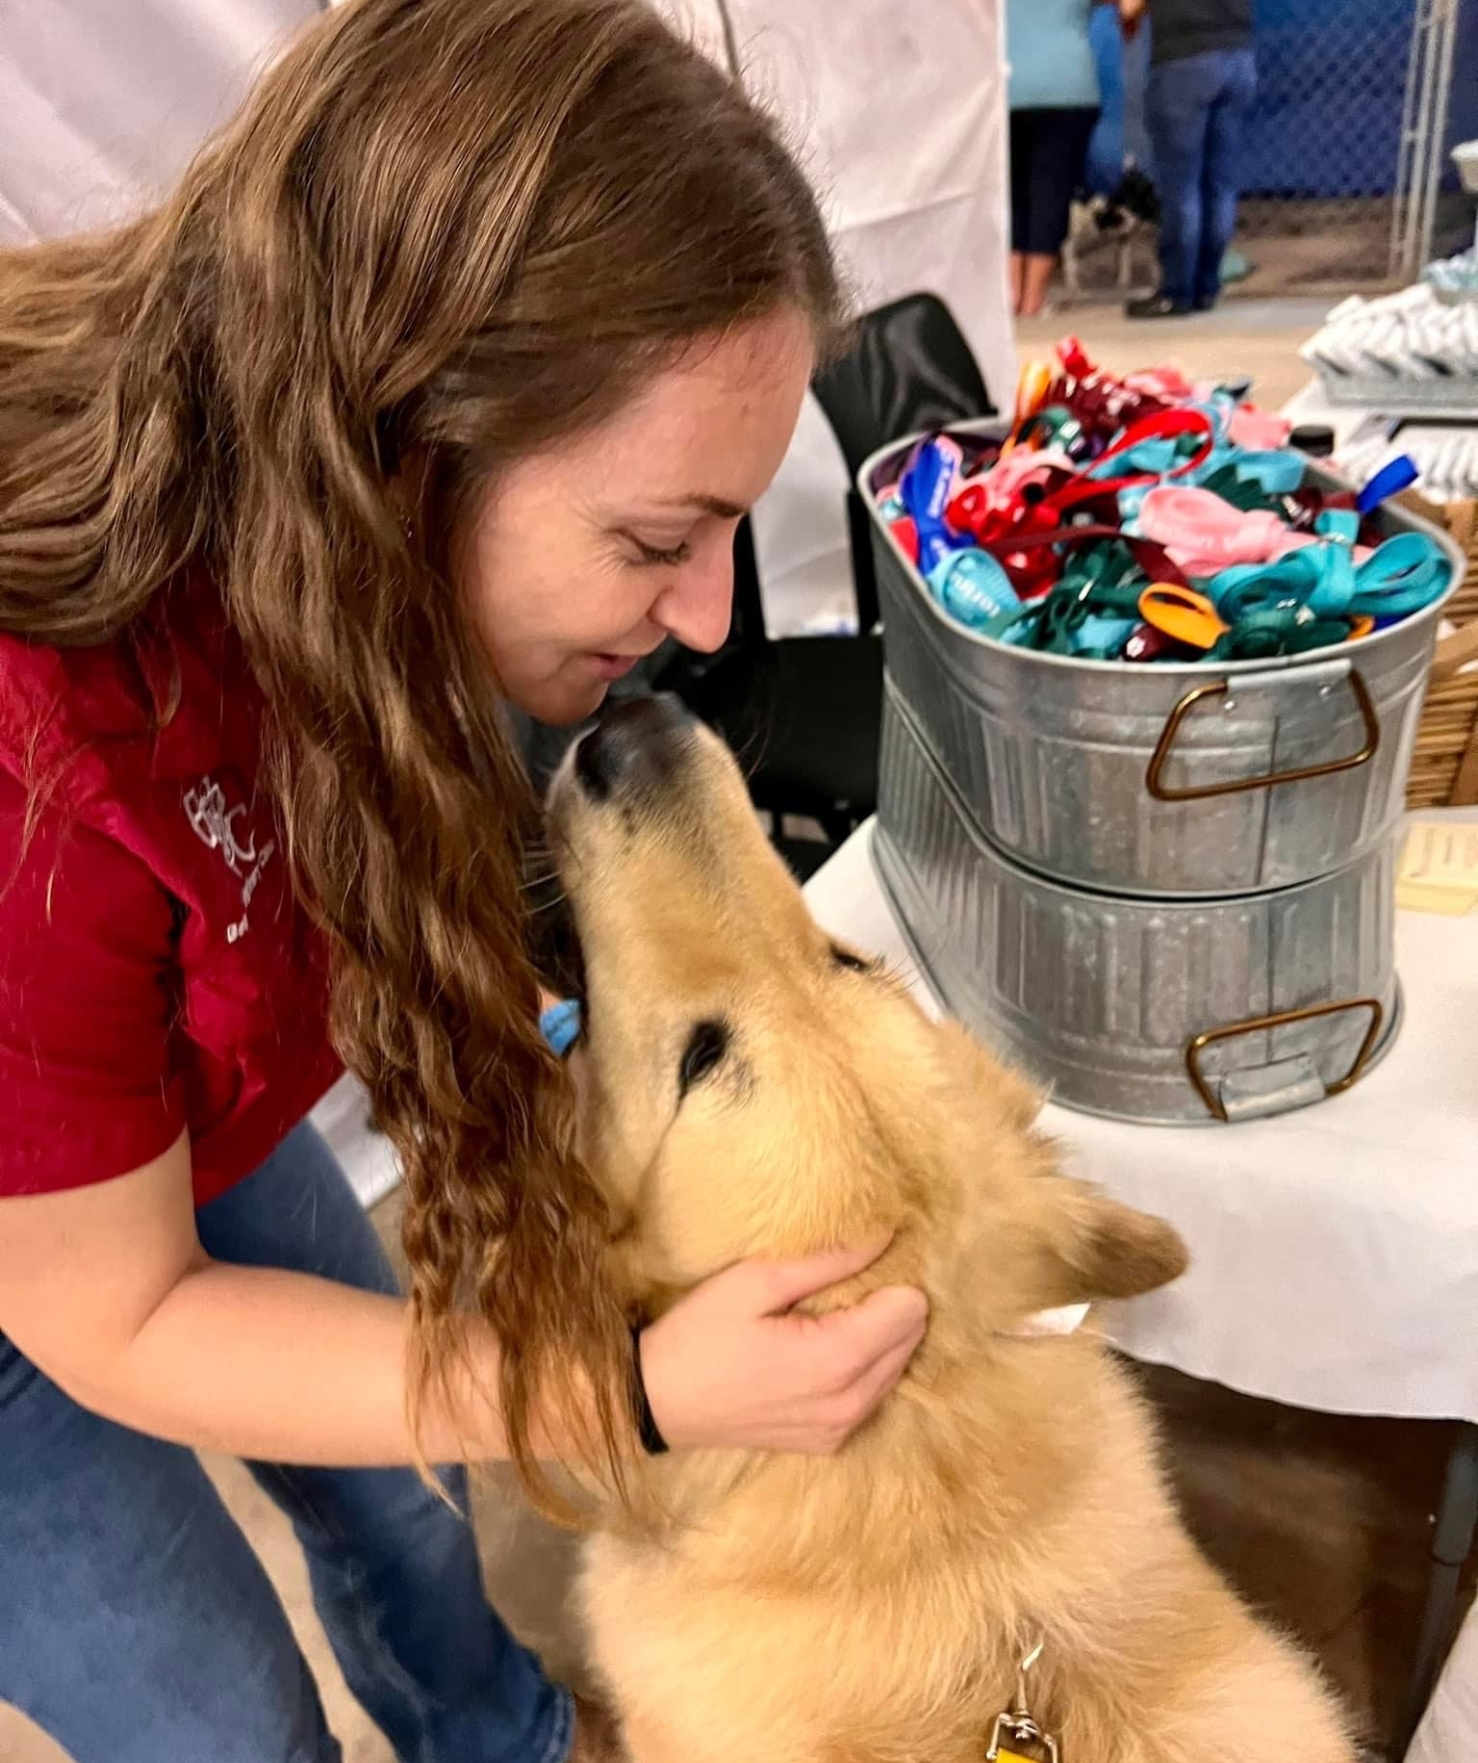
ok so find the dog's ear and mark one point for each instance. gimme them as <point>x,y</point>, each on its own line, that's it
<point>1086,1245</point>
<point>1014,1101</point>
<point>1097,1248</point>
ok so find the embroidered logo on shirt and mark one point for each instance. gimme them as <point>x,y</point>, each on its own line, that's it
<point>215,823</point>
<point>216,826</point>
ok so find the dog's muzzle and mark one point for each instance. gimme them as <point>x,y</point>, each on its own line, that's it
<point>636,747</point>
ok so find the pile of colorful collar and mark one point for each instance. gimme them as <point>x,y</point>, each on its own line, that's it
<point>1146,519</point>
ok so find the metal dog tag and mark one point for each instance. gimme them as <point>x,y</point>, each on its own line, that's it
<point>1016,1737</point>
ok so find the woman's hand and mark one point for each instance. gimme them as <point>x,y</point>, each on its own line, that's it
<point>1131,17</point>
<point>732,1365</point>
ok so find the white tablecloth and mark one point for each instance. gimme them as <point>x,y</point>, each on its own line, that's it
<point>1334,1250</point>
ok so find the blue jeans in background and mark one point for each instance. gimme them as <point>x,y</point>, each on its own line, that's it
<point>136,1624</point>
<point>1197,110</point>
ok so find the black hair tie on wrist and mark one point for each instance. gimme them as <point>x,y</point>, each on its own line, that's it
<point>648,1431</point>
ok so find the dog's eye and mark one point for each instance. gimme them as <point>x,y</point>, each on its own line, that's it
<point>845,958</point>
<point>706,1046</point>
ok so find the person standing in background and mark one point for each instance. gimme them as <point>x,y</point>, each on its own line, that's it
<point>1054,101</point>
<point>1203,80</point>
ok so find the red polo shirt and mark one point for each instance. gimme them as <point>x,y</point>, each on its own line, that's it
<point>156,972</point>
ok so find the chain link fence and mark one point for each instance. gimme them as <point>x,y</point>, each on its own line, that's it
<point>1358,102</point>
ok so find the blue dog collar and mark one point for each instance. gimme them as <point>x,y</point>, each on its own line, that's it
<point>560,1025</point>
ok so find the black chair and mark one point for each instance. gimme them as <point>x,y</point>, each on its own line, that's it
<point>804,713</point>
<point>909,368</point>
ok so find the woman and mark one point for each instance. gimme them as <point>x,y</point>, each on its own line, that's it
<point>1202,87</point>
<point>1054,101</point>
<point>439,385</point>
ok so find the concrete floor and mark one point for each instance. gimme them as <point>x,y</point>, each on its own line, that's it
<point>1322,1522</point>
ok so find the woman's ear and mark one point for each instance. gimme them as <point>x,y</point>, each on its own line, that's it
<point>1096,1248</point>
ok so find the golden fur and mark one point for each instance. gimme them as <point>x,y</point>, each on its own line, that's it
<point>871,1608</point>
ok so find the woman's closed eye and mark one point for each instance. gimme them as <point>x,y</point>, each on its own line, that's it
<point>662,556</point>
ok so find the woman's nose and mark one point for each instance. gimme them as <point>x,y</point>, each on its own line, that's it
<point>698,607</point>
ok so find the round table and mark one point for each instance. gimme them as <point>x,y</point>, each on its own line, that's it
<point>1334,1251</point>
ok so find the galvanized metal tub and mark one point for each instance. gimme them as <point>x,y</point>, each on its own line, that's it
<point>1177,1012</point>
<point>1162,780</point>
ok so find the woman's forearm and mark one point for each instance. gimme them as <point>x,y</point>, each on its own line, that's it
<point>286,1367</point>
<point>253,1361</point>
<point>106,1288</point>
<point>290,1368</point>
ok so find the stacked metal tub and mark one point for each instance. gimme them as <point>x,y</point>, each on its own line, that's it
<point>1166,892</point>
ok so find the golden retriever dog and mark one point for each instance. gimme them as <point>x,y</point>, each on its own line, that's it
<point>752,1089</point>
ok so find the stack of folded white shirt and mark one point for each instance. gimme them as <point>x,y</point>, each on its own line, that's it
<point>1412,335</point>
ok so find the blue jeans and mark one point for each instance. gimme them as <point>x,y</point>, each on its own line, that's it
<point>136,1624</point>
<point>1197,110</point>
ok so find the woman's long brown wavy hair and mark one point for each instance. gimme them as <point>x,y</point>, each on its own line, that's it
<point>441,234</point>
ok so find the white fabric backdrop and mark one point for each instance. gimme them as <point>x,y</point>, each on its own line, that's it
<point>899,112</point>
<point>102,102</point>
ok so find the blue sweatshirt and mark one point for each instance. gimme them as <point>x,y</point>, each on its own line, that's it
<point>1052,63</point>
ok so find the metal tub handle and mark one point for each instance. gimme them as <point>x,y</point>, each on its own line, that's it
<point>1281,1019</point>
<point>1154,777</point>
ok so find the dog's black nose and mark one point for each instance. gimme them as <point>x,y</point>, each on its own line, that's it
<point>636,740</point>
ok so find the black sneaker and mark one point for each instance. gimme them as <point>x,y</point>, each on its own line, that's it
<point>1157,306</point>
<point>1206,303</point>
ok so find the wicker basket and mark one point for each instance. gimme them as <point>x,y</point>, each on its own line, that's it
<point>1444,773</point>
